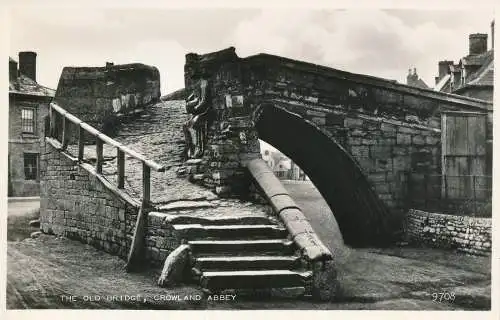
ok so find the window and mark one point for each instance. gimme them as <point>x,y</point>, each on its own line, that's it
<point>31,166</point>
<point>28,120</point>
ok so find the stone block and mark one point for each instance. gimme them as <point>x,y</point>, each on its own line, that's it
<point>360,151</point>
<point>353,122</point>
<point>282,201</point>
<point>291,215</point>
<point>403,139</point>
<point>324,283</point>
<point>176,267</point>
<point>418,140</point>
<point>311,247</point>
<point>296,227</point>
<point>380,151</point>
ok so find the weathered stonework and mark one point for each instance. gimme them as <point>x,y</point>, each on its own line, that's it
<point>77,204</point>
<point>97,95</point>
<point>372,130</point>
<point>465,234</point>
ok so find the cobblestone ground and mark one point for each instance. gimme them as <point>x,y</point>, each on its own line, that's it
<point>157,134</point>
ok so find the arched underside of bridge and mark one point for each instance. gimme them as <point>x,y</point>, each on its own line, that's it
<point>361,216</point>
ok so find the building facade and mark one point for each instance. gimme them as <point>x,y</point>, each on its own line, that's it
<point>473,75</point>
<point>283,167</point>
<point>28,107</point>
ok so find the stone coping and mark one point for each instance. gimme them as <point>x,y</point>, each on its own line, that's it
<point>285,208</point>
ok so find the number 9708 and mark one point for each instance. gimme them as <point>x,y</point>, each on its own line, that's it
<point>443,296</point>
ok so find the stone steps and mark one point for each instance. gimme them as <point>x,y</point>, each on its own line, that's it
<point>253,259</point>
<point>225,263</point>
<point>239,247</point>
<point>254,279</point>
<point>212,221</point>
<point>227,232</point>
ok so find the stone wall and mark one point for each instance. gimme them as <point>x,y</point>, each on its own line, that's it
<point>387,127</point>
<point>161,238</point>
<point>77,204</point>
<point>465,234</point>
<point>372,131</point>
<point>99,94</point>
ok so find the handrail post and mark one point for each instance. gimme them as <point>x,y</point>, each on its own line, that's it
<point>146,183</point>
<point>99,156</point>
<point>426,193</point>
<point>64,135</point>
<point>81,143</point>
<point>51,121</point>
<point>474,191</point>
<point>121,168</point>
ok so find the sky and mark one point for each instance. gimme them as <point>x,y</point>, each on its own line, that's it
<point>382,43</point>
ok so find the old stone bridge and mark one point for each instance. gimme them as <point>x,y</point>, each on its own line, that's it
<point>355,136</point>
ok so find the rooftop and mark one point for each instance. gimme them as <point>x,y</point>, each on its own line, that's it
<point>24,85</point>
<point>27,86</point>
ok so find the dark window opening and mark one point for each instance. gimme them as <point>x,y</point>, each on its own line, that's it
<point>28,120</point>
<point>30,166</point>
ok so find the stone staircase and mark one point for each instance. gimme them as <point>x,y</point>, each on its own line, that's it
<point>252,256</point>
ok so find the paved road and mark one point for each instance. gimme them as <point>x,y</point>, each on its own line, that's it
<point>21,207</point>
<point>319,214</point>
<point>19,214</point>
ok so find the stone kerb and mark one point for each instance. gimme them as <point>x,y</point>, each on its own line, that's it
<point>313,252</point>
<point>311,247</point>
<point>466,234</point>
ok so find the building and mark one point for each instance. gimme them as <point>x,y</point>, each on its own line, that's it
<point>283,167</point>
<point>28,106</point>
<point>472,76</point>
<point>412,79</point>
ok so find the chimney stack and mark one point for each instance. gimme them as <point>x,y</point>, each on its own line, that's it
<point>27,64</point>
<point>109,64</point>
<point>444,67</point>
<point>478,43</point>
<point>12,69</point>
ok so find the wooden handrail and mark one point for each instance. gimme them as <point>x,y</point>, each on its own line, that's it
<point>101,138</point>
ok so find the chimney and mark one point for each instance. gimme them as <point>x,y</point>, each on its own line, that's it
<point>109,64</point>
<point>493,34</point>
<point>12,69</point>
<point>27,64</point>
<point>409,77</point>
<point>443,68</point>
<point>478,43</point>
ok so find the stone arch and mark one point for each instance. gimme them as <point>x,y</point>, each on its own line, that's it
<point>362,217</point>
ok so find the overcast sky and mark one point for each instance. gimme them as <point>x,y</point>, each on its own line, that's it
<point>375,42</point>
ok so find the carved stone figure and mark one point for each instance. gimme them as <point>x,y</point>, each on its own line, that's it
<point>199,105</point>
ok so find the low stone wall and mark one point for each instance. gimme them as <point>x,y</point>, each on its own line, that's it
<point>78,204</point>
<point>465,234</point>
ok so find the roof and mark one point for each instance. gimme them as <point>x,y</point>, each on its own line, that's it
<point>484,76</point>
<point>420,84</point>
<point>442,83</point>
<point>27,86</point>
<point>476,59</point>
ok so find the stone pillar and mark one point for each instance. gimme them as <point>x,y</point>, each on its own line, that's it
<point>231,138</point>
